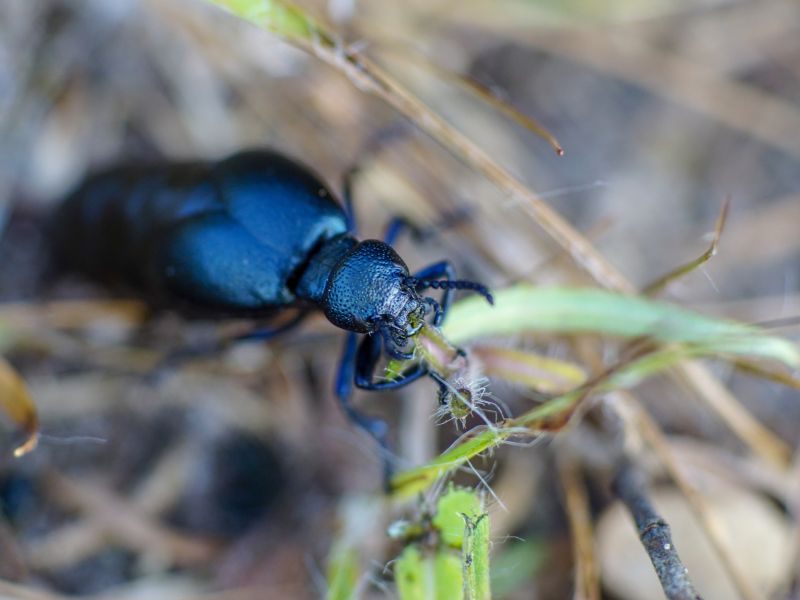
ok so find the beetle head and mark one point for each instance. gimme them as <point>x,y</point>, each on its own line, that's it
<point>370,290</point>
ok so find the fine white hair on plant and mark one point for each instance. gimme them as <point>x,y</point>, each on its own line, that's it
<point>484,481</point>
<point>465,395</point>
<point>462,397</point>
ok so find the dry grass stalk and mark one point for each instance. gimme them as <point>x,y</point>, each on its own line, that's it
<point>587,577</point>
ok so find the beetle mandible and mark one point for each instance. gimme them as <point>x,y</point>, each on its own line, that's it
<point>248,236</point>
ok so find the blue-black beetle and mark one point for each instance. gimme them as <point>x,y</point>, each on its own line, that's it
<point>248,236</point>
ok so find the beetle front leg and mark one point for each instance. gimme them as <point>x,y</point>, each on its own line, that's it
<point>375,427</point>
<point>359,362</point>
<point>369,352</point>
<point>395,227</point>
<point>267,333</point>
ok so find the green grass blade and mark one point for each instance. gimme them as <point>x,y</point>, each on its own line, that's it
<point>342,574</point>
<point>413,481</point>
<point>589,310</point>
<point>476,558</point>
<point>546,417</point>
<point>282,18</point>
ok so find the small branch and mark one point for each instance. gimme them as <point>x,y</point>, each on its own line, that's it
<point>662,282</point>
<point>655,438</point>
<point>630,486</point>
<point>587,577</point>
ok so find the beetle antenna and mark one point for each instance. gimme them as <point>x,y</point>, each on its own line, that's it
<point>451,284</point>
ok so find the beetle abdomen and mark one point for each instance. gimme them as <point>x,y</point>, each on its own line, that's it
<point>105,227</point>
<point>229,236</point>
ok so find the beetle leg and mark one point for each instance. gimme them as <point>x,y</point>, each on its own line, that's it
<point>174,358</point>
<point>369,351</point>
<point>421,234</point>
<point>375,427</point>
<point>347,196</point>
<point>268,333</point>
<point>398,226</point>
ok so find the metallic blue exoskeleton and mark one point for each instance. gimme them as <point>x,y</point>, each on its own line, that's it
<point>248,236</point>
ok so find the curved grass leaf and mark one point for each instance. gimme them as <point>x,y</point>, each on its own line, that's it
<point>342,574</point>
<point>524,308</point>
<point>413,481</point>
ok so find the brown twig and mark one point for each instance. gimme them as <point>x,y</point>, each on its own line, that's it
<point>630,487</point>
<point>637,420</point>
<point>587,577</point>
<point>642,422</point>
<point>657,286</point>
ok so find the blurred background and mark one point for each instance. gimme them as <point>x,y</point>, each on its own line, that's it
<point>231,477</point>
